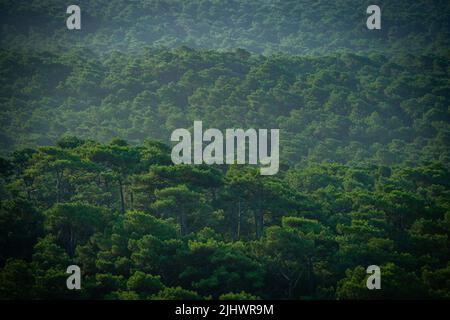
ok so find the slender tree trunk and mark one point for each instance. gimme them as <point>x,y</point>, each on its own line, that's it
<point>259,220</point>
<point>71,243</point>
<point>131,200</point>
<point>311,279</point>
<point>58,186</point>
<point>108,199</point>
<point>122,200</point>
<point>290,289</point>
<point>183,225</point>
<point>238,232</point>
<point>28,192</point>
<point>292,282</point>
<point>259,223</point>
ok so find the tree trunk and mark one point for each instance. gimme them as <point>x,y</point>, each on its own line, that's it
<point>238,231</point>
<point>183,225</point>
<point>290,289</point>
<point>122,200</point>
<point>71,243</point>
<point>131,200</point>
<point>58,186</point>
<point>28,193</point>
<point>259,220</point>
<point>311,280</point>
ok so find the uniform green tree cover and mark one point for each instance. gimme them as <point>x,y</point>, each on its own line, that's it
<point>262,26</point>
<point>164,231</point>
<point>86,176</point>
<point>342,108</point>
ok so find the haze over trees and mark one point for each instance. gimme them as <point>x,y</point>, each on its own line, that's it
<point>86,176</point>
<point>305,27</point>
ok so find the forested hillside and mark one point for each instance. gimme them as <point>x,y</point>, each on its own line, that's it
<point>86,176</point>
<point>262,26</point>
<point>343,108</point>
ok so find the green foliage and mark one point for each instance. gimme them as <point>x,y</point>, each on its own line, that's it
<point>397,283</point>
<point>238,296</point>
<point>293,26</point>
<point>16,280</point>
<point>177,293</point>
<point>74,223</point>
<point>306,233</point>
<point>86,175</point>
<point>20,226</point>
<point>367,123</point>
<point>144,284</point>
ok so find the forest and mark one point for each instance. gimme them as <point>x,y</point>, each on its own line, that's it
<point>86,175</point>
<point>296,27</point>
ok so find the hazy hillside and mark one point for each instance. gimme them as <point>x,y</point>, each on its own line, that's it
<point>261,26</point>
<point>86,176</point>
<point>343,108</point>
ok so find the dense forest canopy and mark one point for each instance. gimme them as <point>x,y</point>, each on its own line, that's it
<point>143,228</point>
<point>308,27</point>
<point>341,108</point>
<point>86,176</point>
